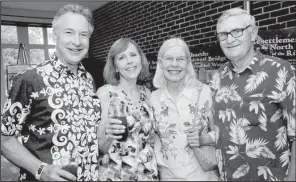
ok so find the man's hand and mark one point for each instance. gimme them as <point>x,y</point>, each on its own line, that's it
<point>56,173</point>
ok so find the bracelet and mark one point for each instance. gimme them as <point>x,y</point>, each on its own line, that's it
<point>39,170</point>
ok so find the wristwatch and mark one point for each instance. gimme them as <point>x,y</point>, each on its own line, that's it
<point>39,170</point>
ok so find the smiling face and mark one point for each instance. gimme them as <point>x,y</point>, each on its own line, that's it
<point>128,63</point>
<point>236,49</point>
<point>72,38</point>
<point>175,70</point>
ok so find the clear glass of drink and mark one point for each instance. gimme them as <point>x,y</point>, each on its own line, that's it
<point>72,166</point>
<point>120,114</point>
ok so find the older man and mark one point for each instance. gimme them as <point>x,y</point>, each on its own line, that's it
<point>254,99</point>
<point>53,110</point>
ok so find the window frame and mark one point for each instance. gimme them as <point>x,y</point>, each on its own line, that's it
<point>23,37</point>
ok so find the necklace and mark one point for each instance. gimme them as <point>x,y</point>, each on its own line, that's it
<point>130,101</point>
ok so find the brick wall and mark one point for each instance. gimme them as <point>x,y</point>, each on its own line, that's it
<point>272,15</point>
<point>149,23</point>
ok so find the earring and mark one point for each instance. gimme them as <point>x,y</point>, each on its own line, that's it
<point>117,75</point>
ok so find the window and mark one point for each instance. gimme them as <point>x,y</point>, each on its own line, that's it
<point>9,40</point>
<point>50,36</point>
<point>36,56</point>
<point>8,34</point>
<point>35,35</point>
<point>9,56</point>
<point>39,44</point>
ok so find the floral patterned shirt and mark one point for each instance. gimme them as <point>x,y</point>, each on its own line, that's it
<point>255,113</point>
<point>55,115</point>
<point>133,159</point>
<point>175,158</point>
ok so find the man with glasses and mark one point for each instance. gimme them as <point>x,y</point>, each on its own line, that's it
<point>254,99</point>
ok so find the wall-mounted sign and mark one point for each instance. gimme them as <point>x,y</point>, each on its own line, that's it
<point>279,43</point>
<point>207,58</point>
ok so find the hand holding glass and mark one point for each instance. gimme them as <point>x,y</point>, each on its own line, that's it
<point>72,167</point>
<point>119,113</point>
<point>124,123</point>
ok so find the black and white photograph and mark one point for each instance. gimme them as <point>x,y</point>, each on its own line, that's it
<point>97,90</point>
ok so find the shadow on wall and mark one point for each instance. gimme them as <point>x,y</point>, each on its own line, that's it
<point>95,67</point>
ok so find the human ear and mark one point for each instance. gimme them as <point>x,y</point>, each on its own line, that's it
<point>55,36</point>
<point>254,33</point>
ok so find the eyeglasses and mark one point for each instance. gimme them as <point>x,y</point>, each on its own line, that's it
<point>234,33</point>
<point>170,59</point>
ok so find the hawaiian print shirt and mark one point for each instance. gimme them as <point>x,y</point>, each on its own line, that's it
<point>255,114</point>
<point>174,156</point>
<point>55,116</point>
<point>133,159</point>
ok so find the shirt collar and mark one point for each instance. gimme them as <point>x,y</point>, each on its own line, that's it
<point>61,68</point>
<point>253,67</point>
<point>186,92</point>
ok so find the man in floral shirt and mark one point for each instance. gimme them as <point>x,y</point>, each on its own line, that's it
<point>254,100</point>
<point>53,110</point>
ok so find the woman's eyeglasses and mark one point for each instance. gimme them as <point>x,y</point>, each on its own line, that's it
<point>170,59</point>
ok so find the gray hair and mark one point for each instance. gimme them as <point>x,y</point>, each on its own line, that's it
<point>77,9</point>
<point>248,18</point>
<point>159,79</point>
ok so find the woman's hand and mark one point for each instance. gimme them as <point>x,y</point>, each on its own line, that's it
<point>56,173</point>
<point>193,136</point>
<point>112,127</point>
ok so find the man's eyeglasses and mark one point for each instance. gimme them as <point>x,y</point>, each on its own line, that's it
<point>234,33</point>
<point>170,59</point>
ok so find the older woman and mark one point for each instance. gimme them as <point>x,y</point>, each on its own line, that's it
<point>178,103</point>
<point>126,142</point>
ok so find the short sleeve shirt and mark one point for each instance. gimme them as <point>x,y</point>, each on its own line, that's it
<point>255,114</point>
<point>55,116</point>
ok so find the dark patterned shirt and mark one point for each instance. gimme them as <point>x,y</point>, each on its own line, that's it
<point>255,114</point>
<point>55,116</point>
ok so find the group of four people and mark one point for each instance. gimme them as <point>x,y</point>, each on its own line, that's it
<point>53,115</point>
